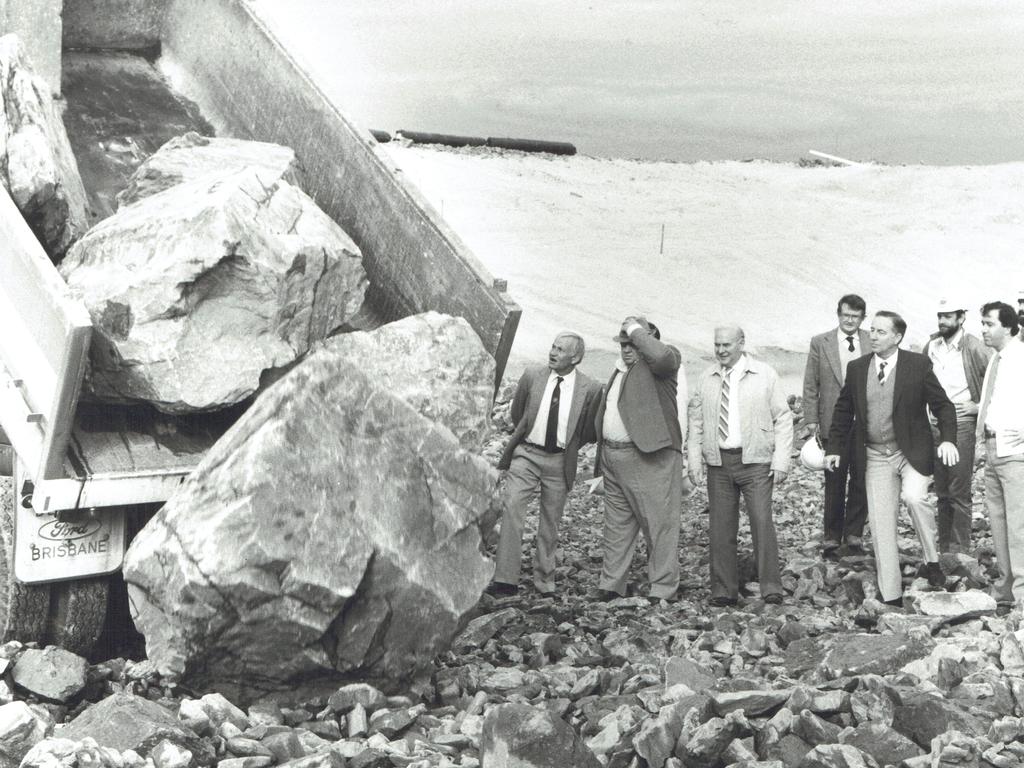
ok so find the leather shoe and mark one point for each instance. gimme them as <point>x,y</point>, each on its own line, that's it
<point>604,595</point>
<point>773,599</point>
<point>501,589</point>
<point>1003,609</point>
<point>933,572</point>
<point>896,602</point>
<point>721,601</point>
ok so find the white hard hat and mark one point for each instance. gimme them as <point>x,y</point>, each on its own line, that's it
<point>949,305</point>
<point>812,455</point>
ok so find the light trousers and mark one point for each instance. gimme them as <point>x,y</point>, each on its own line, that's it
<point>888,478</point>
<point>643,492</point>
<point>532,470</point>
<point>1004,502</point>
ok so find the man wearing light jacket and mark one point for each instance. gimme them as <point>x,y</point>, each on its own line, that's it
<point>741,427</point>
<point>959,361</point>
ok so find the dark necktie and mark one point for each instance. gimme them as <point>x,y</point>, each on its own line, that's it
<point>849,340</point>
<point>551,434</point>
<point>881,373</point>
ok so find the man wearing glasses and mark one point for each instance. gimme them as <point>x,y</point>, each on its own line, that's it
<point>846,509</point>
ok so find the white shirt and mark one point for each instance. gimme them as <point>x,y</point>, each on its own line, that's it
<point>735,437</point>
<point>612,427</point>
<point>540,425</point>
<point>845,355</point>
<point>1006,406</point>
<point>948,363</point>
<point>890,365</point>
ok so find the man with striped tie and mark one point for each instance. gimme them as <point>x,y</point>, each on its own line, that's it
<point>742,429</point>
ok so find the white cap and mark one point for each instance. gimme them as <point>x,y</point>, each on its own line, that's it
<point>949,305</point>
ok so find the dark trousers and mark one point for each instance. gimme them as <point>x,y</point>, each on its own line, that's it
<point>953,489</point>
<point>846,505</point>
<point>725,484</point>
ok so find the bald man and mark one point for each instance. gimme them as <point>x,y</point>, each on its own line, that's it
<point>553,409</point>
<point>741,428</point>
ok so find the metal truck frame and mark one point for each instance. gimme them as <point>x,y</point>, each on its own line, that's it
<point>62,526</point>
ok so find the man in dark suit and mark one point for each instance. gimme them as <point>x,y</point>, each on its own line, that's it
<point>553,410</point>
<point>885,402</point>
<point>846,511</point>
<point>639,456</point>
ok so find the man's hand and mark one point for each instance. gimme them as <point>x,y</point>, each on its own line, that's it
<point>778,476</point>
<point>595,486</point>
<point>813,429</point>
<point>630,321</point>
<point>696,474</point>
<point>970,408</point>
<point>948,454</point>
<point>831,463</point>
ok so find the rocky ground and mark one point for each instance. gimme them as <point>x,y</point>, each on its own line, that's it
<point>829,678</point>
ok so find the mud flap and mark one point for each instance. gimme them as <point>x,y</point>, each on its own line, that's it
<point>62,547</point>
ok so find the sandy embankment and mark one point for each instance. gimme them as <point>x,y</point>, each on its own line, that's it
<point>769,245</point>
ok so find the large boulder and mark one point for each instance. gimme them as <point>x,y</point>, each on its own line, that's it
<point>334,531</point>
<point>191,156</point>
<point>37,166</point>
<point>435,363</point>
<point>197,291</point>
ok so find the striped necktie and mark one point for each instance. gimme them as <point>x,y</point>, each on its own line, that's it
<point>881,372</point>
<point>723,407</point>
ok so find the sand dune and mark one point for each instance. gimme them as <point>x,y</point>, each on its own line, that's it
<point>766,244</point>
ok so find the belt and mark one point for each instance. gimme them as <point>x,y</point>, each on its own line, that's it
<point>730,450</point>
<point>542,448</point>
<point>617,443</point>
<point>990,434</point>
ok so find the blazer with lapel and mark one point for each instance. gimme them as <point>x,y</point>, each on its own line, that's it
<point>647,398</point>
<point>914,386</point>
<point>823,378</point>
<point>578,431</point>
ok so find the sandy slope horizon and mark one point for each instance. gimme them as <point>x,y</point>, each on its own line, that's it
<point>768,245</point>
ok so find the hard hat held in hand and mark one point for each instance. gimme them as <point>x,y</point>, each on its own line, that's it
<point>812,455</point>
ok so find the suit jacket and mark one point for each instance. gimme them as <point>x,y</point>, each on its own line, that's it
<point>823,378</point>
<point>647,398</point>
<point>580,428</point>
<point>914,386</point>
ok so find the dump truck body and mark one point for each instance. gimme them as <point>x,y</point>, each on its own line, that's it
<point>78,467</point>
